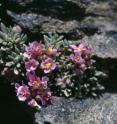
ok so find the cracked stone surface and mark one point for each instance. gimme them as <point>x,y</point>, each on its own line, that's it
<point>93,20</point>
<point>73,111</point>
<point>103,45</point>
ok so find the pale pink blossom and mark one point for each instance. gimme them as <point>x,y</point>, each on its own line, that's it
<point>33,50</point>
<point>23,92</point>
<point>31,65</point>
<point>48,65</point>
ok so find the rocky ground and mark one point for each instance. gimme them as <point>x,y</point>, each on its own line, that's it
<point>94,21</point>
<point>73,111</point>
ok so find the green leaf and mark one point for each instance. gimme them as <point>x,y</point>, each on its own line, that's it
<point>2,35</point>
<point>1,41</point>
<point>3,28</point>
<point>24,37</point>
<point>46,39</point>
<point>93,79</point>
<point>98,73</point>
<point>60,38</point>
<point>9,64</point>
<point>16,71</point>
<point>10,57</point>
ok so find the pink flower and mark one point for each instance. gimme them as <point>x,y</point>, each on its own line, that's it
<point>28,52</point>
<point>77,59</point>
<point>44,81</point>
<point>32,103</point>
<point>33,50</point>
<point>78,48</point>
<point>17,29</point>
<point>46,98</point>
<point>51,51</point>
<point>48,65</point>
<point>80,68</point>
<point>86,54</point>
<point>23,92</point>
<point>36,82</point>
<point>63,82</point>
<point>31,65</point>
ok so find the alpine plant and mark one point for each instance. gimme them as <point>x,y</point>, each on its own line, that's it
<point>48,69</point>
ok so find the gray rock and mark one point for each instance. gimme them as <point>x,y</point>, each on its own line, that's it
<point>92,15</point>
<point>43,24</point>
<point>74,111</point>
<point>47,16</point>
<point>26,2</point>
<point>101,14</point>
<point>103,45</point>
<point>21,2</point>
<point>75,18</point>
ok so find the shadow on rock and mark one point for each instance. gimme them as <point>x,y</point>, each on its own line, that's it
<point>61,9</point>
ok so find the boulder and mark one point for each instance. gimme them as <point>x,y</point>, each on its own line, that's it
<point>104,45</point>
<point>92,20</point>
<point>43,24</point>
<point>88,16</point>
<point>60,16</point>
<point>74,111</point>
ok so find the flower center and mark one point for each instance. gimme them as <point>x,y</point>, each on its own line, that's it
<point>77,58</point>
<point>50,49</point>
<point>33,64</point>
<point>77,49</point>
<point>25,93</point>
<point>48,98</point>
<point>48,65</point>
<point>36,49</point>
<point>36,83</point>
<point>29,53</point>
